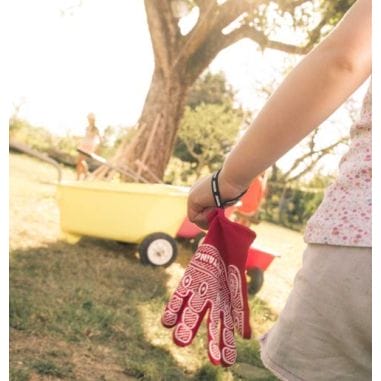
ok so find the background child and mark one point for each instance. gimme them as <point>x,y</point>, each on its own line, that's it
<point>89,143</point>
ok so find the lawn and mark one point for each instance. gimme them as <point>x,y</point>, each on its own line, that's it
<point>91,311</point>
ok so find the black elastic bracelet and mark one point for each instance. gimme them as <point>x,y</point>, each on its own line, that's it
<point>215,190</point>
<point>216,193</point>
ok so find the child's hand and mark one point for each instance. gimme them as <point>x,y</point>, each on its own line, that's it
<point>201,201</point>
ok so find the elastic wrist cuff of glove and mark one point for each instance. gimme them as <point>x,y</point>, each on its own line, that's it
<point>217,195</point>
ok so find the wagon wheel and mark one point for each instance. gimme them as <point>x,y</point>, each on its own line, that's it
<point>158,249</point>
<point>256,280</point>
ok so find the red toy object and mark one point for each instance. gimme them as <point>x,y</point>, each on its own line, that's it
<point>257,262</point>
<point>188,229</point>
<point>259,259</point>
<point>251,200</point>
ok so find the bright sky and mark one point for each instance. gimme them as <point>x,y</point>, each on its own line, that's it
<point>98,57</point>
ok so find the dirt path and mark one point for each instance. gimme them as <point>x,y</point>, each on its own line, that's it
<point>280,275</point>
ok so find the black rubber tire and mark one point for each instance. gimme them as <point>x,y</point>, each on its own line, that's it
<point>164,254</point>
<point>256,280</point>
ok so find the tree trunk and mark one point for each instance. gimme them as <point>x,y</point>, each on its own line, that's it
<point>150,149</point>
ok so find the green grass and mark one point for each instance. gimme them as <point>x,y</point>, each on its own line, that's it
<point>91,311</point>
<point>48,367</point>
<point>19,374</point>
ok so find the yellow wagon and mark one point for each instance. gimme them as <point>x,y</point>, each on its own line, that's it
<point>147,214</point>
<point>143,213</point>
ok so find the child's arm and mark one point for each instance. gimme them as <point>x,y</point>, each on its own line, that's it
<point>313,90</point>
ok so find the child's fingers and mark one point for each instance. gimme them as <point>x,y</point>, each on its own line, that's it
<point>199,216</point>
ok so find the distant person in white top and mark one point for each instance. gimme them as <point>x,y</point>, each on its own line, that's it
<point>324,332</point>
<point>89,143</point>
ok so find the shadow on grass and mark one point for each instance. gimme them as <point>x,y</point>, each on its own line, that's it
<point>75,314</point>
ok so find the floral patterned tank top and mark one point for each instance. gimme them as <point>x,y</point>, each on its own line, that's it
<point>345,215</point>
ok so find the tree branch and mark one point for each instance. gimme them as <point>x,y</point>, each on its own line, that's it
<point>310,153</point>
<point>199,33</point>
<point>213,18</point>
<point>200,60</point>
<point>321,153</point>
<point>230,11</point>
<point>190,148</point>
<point>202,53</point>
<point>165,35</point>
<point>289,6</point>
<point>202,4</point>
<point>314,34</point>
<point>307,169</point>
<point>246,31</point>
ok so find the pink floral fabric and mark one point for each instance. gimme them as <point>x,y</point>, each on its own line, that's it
<point>345,215</point>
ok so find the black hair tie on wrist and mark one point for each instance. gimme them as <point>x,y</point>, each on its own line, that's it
<point>216,193</point>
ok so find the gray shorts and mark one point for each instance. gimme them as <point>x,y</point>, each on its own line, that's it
<point>324,332</point>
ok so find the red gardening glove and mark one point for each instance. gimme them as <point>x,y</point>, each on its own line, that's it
<point>234,241</point>
<point>214,280</point>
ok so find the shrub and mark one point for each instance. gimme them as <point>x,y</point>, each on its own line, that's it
<point>290,206</point>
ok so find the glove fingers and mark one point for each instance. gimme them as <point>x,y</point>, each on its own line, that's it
<point>189,318</point>
<point>240,307</point>
<point>188,326</point>
<point>172,311</point>
<point>227,341</point>
<point>214,352</point>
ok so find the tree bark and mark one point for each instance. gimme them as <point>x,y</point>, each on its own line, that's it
<point>150,149</point>
<point>163,110</point>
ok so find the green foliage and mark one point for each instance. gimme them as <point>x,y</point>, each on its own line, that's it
<point>290,206</point>
<point>320,180</point>
<point>336,9</point>
<point>180,172</point>
<point>41,139</point>
<point>210,89</point>
<point>208,129</point>
<point>207,133</point>
<point>64,148</point>
<point>19,374</point>
<point>112,137</point>
<point>16,124</point>
<point>66,145</point>
<point>209,372</point>
<point>36,137</point>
